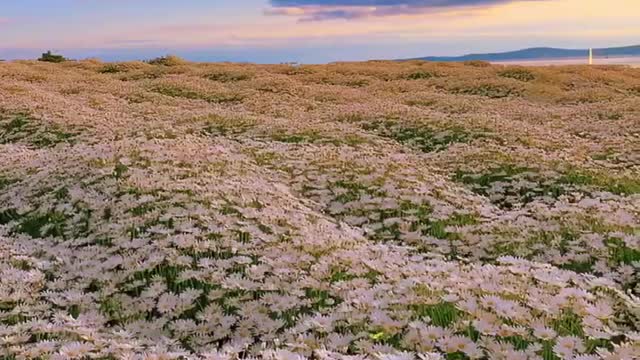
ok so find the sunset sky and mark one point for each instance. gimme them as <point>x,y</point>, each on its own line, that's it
<point>308,31</point>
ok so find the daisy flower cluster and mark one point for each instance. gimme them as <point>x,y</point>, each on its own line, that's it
<point>374,210</point>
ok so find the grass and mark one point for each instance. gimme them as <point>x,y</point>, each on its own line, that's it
<point>571,180</point>
<point>216,125</point>
<point>227,76</point>
<point>168,60</point>
<point>419,75</point>
<point>23,128</point>
<point>421,137</point>
<point>490,90</point>
<point>186,93</point>
<point>612,184</point>
<point>517,73</point>
<point>40,225</point>
<point>620,253</point>
<point>110,69</point>
<point>443,314</point>
<point>5,182</point>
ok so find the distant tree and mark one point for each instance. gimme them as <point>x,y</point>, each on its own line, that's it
<point>50,57</point>
<point>169,60</point>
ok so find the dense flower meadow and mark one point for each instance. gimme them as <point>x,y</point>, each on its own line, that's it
<point>372,210</point>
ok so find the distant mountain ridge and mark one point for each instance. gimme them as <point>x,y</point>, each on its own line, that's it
<point>538,53</point>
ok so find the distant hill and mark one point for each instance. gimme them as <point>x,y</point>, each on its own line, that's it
<point>540,53</point>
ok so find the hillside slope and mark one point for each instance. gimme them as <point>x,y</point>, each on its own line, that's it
<point>378,210</point>
<point>540,53</point>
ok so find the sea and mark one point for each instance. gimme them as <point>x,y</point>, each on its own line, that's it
<point>633,61</point>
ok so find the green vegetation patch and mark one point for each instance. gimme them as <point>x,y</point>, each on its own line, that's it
<point>620,253</point>
<point>5,182</point>
<point>216,125</point>
<point>228,76</point>
<point>419,75</point>
<point>443,314</point>
<point>111,69</point>
<point>22,128</point>
<point>423,138</point>
<point>507,185</point>
<point>490,90</point>
<point>476,63</point>
<point>616,185</point>
<point>52,58</point>
<point>314,136</point>
<point>168,60</point>
<point>517,73</point>
<point>181,92</point>
<point>40,225</point>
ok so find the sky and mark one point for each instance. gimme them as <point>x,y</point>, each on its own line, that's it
<point>308,31</point>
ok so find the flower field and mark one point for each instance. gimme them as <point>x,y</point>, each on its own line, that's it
<point>373,210</point>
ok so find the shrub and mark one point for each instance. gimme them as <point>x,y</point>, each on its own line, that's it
<point>417,75</point>
<point>477,63</point>
<point>494,91</point>
<point>223,76</point>
<point>186,93</point>
<point>517,73</point>
<point>169,60</point>
<point>110,69</point>
<point>53,58</point>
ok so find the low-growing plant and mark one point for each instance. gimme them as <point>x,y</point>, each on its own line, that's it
<point>517,73</point>
<point>490,90</point>
<point>216,125</point>
<point>419,75</point>
<point>422,137</point>
<point>228,76</point>
<point>186,93</point>
<point>110,69</point>
<point>168,60</point>
<point>23,128</point>
<point>477,63</point>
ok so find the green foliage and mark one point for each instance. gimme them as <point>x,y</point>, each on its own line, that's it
<point>490,90</point>
<point>568,324</point>
<point>52,58</point>
<point>168,60</point>
<point>620,253</point>
<point>615,185</point>
<point>40,225</point>
<point>180,92</point>
<point>220,126</point>
<point>421,137</point>
<point>419,75</point>
<point>20,127</point>
<point>119,170</point>
<point>443,314</point>
<point>476,63</point>
<point>517,73</point>
<point>110,69</point>
<point>512,190</point>
<point>224,77</point>
<point>583,267</point>
<point>6,182</point>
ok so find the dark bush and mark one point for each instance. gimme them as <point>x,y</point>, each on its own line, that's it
<point>50,57</point>
<point>477,63</point>
<point>517,73</point>
<point>110,69</point>
<point>169,60</point>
